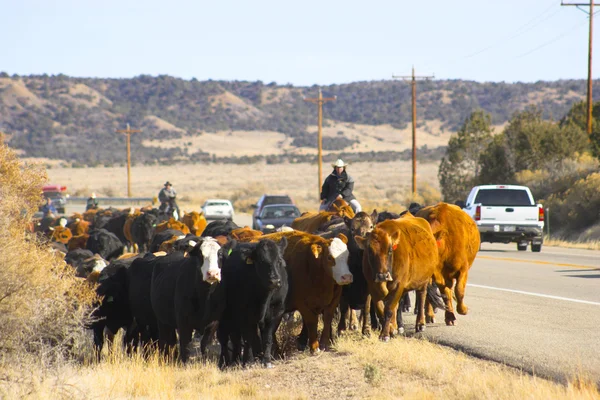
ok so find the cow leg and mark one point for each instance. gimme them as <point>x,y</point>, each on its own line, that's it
<point>326,337</point>
<point>459,289</point>
<point>405,303</point>
<point>447,292</point>
<point>167,340</point>
<point>207,336</point>
<point>223,337</point>
<point>310,321</point>
<point>98,340</point>
<point>429,311</point>
<point>185,337</point>
<point>268,337</point>
<point>353,320</point>
<point>420,323</point>
<point>344,308</point>
<point>390,309</point>
<point>236,341</point>
<point>366,316</point>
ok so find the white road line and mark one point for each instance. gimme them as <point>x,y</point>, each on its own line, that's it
<point>535,294</point>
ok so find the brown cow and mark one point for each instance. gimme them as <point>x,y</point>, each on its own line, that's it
<point>79,226</point>
<point>78,242</point>
<point>172,223</point>
<point>89,215</point>
<point>133,214</point>
<point>317,268</point>
<point>458,242</point>
<point>60,234</point>
<point>195,221</point>
<point>244,233</point>
<point>341,208</point>
<point>399,255</point>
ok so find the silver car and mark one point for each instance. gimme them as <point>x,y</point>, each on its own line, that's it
<point>218,209</point>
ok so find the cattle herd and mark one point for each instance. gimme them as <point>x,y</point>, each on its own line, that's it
<point>163,280</point>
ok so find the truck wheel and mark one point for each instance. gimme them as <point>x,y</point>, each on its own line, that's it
<point>522,246</point>
<point>536,248</point>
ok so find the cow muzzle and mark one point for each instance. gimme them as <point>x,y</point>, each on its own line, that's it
<point>213,277</point>
<point>346,279</point>
<point>383,277</point>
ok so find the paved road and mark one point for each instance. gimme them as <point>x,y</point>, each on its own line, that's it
<point>539,312</point>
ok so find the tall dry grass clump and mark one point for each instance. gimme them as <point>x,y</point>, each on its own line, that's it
<point>43,306</point>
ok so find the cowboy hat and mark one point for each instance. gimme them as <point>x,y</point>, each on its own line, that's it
<point>167,183</point>
<point>339,164</point>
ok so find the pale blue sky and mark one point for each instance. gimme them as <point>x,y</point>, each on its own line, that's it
<point>303,43</point>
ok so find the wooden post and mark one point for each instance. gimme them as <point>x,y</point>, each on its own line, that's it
<point>128,133</point>
<point>320,101</point>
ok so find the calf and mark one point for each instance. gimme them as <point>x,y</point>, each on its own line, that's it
<point>255,282</point>
<point>142,230</point>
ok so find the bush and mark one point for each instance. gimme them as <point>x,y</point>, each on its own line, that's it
<point>43,306</point>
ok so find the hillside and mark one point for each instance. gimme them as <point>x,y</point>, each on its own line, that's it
<point>74,119</point>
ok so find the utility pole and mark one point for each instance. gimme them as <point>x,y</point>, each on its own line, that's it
<point>589,12</point>
<point>320,101</point>
<point>413,78</point>
<point>128,133</point>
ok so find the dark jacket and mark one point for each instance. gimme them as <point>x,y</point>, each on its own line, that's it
<point>48,209</point>
<point>92,203</point>
<point>334,185</point>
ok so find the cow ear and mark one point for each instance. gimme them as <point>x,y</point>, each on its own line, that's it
<point>374,216</point>
<point>343,238</point>
<point>361,242</point>
<point>436,226</point>
<point>228,247</point>
<point>316,250</point>
<point>195,252</point>
<point>282,244</point>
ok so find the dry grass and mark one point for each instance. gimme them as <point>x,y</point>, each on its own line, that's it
<point>385,186</point>
<point>589,245</point>
<point>357,368</point>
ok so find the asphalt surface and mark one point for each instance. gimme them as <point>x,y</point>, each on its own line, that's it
<point>538,312</point>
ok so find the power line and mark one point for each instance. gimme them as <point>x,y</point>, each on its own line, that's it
<point>554,39</point>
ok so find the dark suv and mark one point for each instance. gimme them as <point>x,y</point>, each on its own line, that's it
<point>265,200</point>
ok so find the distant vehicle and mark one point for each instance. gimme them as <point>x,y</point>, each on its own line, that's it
<point>274,216</point>
<point>58,194</point>
<point>265,200</point>
<point>218,209</point>
<point>507,213</point>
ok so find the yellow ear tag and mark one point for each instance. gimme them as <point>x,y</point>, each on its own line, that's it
<point>249,261</point>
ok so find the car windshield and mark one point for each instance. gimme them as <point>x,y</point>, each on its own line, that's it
<point>503,197</point>
<point>280,212</point>
<point>276,200</point>
<point>217,203</point>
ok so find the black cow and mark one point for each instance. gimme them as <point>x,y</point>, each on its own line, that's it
<point>116,223</point>
<point>256,284</point>
<point>113,312</point>
<point>142,230</point>
<point>105,243</point>
<point>139,282</point>
<point>163,236</point>
<point>219,228</point>
<point>179,292</point>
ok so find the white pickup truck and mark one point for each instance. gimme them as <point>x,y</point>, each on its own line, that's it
<point>505,214</point>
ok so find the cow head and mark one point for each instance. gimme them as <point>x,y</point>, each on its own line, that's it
<point>378,255</point>
<point>209,251</point>
<point>361,224</point>
<point>267,258</point>
<point>336,257</point>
